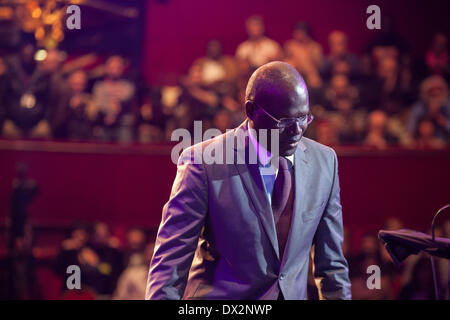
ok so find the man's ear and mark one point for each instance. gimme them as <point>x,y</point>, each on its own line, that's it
<point>250,109</point>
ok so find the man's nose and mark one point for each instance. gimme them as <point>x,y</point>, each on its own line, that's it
<point>296,128</point>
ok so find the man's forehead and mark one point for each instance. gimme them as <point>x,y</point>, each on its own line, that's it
<point>287,102</point>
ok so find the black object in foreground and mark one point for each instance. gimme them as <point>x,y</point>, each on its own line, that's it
<point>402,243</point>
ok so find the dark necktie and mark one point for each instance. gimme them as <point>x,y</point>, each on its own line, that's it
<point>282,202</point>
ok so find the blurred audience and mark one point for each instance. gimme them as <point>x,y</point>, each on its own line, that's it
<point>114,268</point>
<point>381,99</point>
<point>109,269</point>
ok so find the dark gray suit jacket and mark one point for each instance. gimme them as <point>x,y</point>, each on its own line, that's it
<point>217,237</point>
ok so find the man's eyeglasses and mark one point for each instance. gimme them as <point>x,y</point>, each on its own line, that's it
<point>288,122</point>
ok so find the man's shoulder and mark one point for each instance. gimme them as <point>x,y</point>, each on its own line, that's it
<point>318,148</point>
<point>206,146</point>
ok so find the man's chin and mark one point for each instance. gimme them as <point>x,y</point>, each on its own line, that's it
<point>289,151</point>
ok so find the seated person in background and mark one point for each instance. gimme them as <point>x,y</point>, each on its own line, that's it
<point>222,120</point>
<point>196,101</point>
<point>393,87</point>
<point>388,43</point>
<point>219,71</point>
<point>110,258</point>
<point>341,101</point>
<point>82,113</point>
<point>114,97</point>
<point>135,241</point>
<point>437,58</point>
<point>132,282</point>
<point>425,135</point>
<point>71,247</point>
<point>435,104</point>
<point>377,136</point>
<point>339,88</point>
<point>337,41</point>
<point>305,54</point>
<point>36,101</point>
<point>393,93</point>
<point>151,119</point>
<point>257,49</point>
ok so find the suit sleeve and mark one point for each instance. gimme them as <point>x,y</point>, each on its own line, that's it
<point>330,265</point>
<point>183,217</point>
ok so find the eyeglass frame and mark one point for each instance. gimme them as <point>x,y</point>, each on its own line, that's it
<point>308,117</point>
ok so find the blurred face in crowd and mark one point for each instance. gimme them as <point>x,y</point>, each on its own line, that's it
<point>369,244</point>
<point>377,120</point>
<point>280,90</point>
<point>135,239</point>
<point>255,27</point>
<point>338,43</point>
<point>115,67</point>
<point>344,105</point>
<point>435,91</point>
<point>214,50</point>
<point>51,62</point>
<point>77,81</point>
<point>393,223</point>
<point>426,129</point>
<point>439,43</point>
<point>27,53</point>
<point>80,235</point>
<point>2,66</point>
<point>381,52</point>
<point>340,85</point>
<point>196,74</point>
<point>342,67</point>
<point>222,120</point>
<point>101,232</point>
<point>388,67</point>
<point>301,32</point>
<point>326,133</point>
<point>300,35</point>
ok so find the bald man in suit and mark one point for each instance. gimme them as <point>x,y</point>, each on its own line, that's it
<point>244,230</point>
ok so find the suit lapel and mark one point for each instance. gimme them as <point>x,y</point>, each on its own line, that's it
<point>252,180</point>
